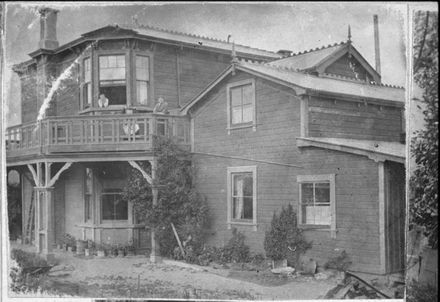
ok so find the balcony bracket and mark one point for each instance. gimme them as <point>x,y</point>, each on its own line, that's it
<point>135,165</point>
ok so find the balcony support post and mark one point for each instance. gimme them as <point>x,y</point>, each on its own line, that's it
<point>155,248</point>
<point>44,206</point>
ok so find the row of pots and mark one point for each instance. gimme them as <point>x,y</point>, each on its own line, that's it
<point>80,249</point>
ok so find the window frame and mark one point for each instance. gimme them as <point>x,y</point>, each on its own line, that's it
<point>84,103</point>
<point>113,221</point>
<point>150,95</point>
<point>330,178</point>
<point>91,197</point>
<point>106,53</point>
<point>250,124</point>
<point>237,170</point>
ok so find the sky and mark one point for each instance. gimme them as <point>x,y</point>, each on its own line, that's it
<point>271,26</point>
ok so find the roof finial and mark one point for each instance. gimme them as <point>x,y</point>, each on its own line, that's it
<point>349,33</point>
<point>234,55</point>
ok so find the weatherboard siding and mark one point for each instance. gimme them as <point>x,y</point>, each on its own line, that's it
<point>357,208</point>
<point>278,124</point>
<point>175,71</point>
<point>29,109</point>
<point>344,119</point>
<point>342,67</point>
<point>274,140</point>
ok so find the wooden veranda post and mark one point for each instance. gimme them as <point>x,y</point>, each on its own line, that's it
<point>44,206</point>
<point>155,254</point>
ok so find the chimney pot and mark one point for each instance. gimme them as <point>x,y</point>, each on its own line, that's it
<point>48,28</point>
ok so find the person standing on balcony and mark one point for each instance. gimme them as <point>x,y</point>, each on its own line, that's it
<point>161,106</point>
<point>102,101</point>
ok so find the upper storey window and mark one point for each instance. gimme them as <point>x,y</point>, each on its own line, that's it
<point>142,79</point>
<point>87,88</point>
<point>112,79</point>
<point>241,104</point>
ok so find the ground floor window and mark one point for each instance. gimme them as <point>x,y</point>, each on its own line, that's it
<point>112,205</point>
<point>88,195</point>
<point>317,201</point>
<point>242,197</point>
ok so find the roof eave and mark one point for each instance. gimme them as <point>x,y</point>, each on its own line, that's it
<point>373,155</point>
<point>358,98</point>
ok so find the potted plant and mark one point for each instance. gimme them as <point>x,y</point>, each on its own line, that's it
<point>71,243</point>
<point>100,251</point>
<point>88,251</point>
<point>121,250</point>
<point>80,246</point>
<point>64,242</point>
<point>130,249</point>
<point>114,250</point>
<point>285,242</point>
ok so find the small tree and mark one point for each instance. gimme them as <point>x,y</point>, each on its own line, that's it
<point>178,201</point>
<point>285,240</point>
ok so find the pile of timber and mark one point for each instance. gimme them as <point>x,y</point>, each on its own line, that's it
<point>354,287</point>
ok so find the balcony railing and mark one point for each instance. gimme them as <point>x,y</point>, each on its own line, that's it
<point>95,133</point>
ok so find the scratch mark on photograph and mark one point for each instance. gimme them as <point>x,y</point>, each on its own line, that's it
<point>213,151</point>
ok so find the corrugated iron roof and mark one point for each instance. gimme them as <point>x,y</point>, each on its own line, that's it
<point>308,59</point>
<point>392,149</point>
<point>327,85</point>
<point>187,38</point>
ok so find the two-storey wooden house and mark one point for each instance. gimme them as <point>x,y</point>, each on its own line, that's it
<point>316,130</point>
<point>74,153</point>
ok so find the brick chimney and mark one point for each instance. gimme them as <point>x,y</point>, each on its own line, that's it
<point>48,28</point>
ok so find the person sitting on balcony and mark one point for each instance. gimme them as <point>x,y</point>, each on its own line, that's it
<point>161,106</point>
<point>102,101</point>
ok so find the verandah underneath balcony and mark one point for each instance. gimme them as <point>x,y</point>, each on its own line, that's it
<point>95,134</point>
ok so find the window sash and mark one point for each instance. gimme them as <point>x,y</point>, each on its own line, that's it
<point>242,104</point>
<point>142,68</point>
<point>242,196</point>
<point>112,67</point>
<point>114,204</point>
<point>313,212</point>
<point>88,194</point>
<point>142,92</point>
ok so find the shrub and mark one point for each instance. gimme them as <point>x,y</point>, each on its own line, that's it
<point>285,240</point>
<point>419,292</point>
<point>26,259</point>
<point>341,262</point>
<point>21,281</point>
<point>236,250</point>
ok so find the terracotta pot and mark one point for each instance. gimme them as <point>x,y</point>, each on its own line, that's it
<point>100,254</point>
<point>279,263</point>
<point>80,246</point>
<point>120,253</point>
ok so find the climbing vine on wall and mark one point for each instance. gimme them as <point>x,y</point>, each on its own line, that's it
<point>424,145</point>
<point>178,201</point>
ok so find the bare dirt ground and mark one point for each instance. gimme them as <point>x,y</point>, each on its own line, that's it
<point>135,277</point>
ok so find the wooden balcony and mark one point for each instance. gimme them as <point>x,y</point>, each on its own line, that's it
<point>107,133</point>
